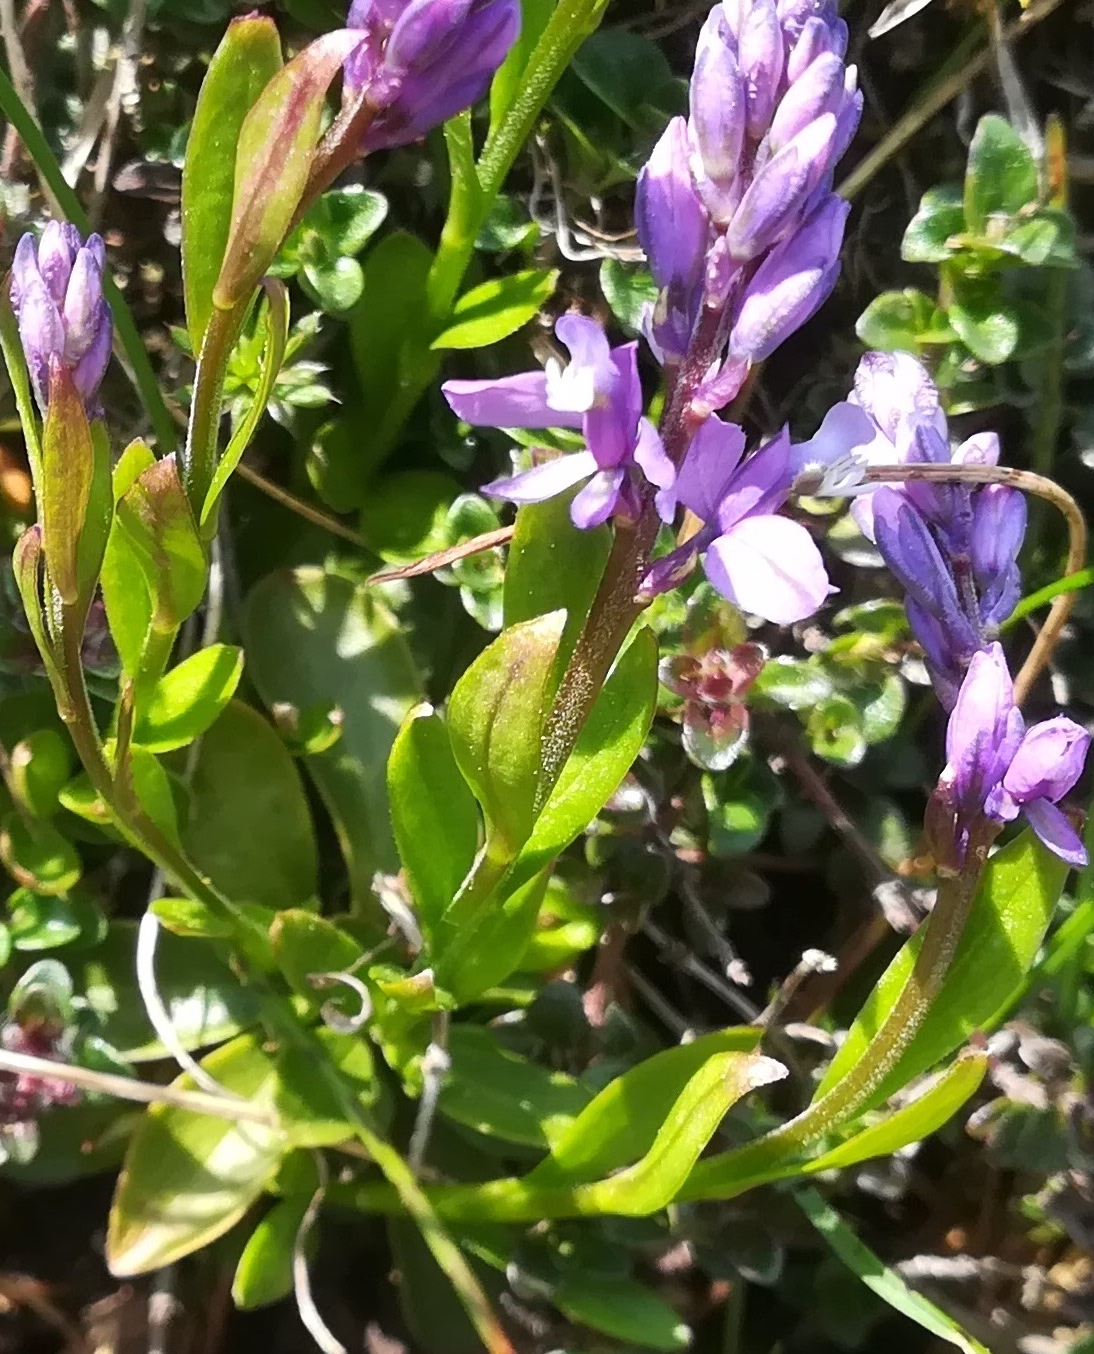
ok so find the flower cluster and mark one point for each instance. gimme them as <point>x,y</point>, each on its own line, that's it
<point>953,547</point>
<point>64,321</point>
<point>735,209</point>
<point>996,768</point>
<point>25,1096</point>
<point>424,61</point>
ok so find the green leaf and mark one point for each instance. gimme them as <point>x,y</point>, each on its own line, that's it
<point>37,856</point>
<point>925,1115</point>
<point>1001,176</point>
<point>434,814</point>
<point>498,1093</point>
<point>888,1285</point>
<point>190,698</point>
<point>247,59</point>
<point>836,729</point>
<point>162,540</point>
<point>406,514</point>
<point>941,216</point>
<point>653,1182</point>
<point>155,790</point>
<point>1015,901</point>
<point>203,997</point>
<point>347,218</point>
<point>276,321</point>
<point>630,292</point>
<point>554,566</point>
<point>315,639</point>
<point>893,321</point>
<point>249,827</point>
<point>620,1125</point>
<point>480,940</point>
<point>40,766</point>
<point>310,1111</point>
<point>983,318</point>
<point>622,1308</point>
<point>273,160</point>
<point>188,1178</point>
<point>606,749</point>
<point>793,683</point>
<point>495,716</point>
<point>264,1272</point>
<point>497,308</point>
<point>38,922</point>
<point>334,284</point>
<point>126,593</point>
<point>739,804</point>
<point>306,945</point>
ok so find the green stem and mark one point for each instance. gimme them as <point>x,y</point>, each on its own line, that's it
<point>724,1176</point>
<point>769,1158</point>
<point>67,204</point>
<point>198,458</point>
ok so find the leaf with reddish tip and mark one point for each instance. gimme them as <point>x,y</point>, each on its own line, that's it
<point>155,516</point>
<point>248,58</point>
<point>274,160</point>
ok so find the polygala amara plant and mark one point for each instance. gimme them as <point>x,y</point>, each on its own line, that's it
<point>353,1031</point>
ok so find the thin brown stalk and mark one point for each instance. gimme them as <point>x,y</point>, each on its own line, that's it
<point>441,559</point>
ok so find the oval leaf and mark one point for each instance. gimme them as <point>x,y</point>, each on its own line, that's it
<point>188,700</point>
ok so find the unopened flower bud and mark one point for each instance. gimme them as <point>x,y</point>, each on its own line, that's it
<point>425,61</point>
<point>57,295</point>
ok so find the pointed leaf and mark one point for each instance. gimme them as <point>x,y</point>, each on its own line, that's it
<point>495,309</point>
<point>495,716</point>
<point>155,516</point>
<point>74,497</point>
<point>188,1178</point>
<point>433,813</point>
<point>188,699</point>
<point>274,159</point>
<point>654,1181</point>
<point>125,592</point>
<point>273,355</point>
<point>886,1283</point>
<point>248,58</point>
<point>621,1123</point>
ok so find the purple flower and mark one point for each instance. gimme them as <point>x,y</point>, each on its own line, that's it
<point>764,563</point>
<point>57,295</point>
<point>996,768</point>
<point>746,181</point>
<point>424,61</point>
<point>791,284</point>
<point>953,547</point>
<point>598,392</point>
<point>674,230</point>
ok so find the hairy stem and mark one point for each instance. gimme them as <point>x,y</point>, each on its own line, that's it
<point>731,1173</point>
